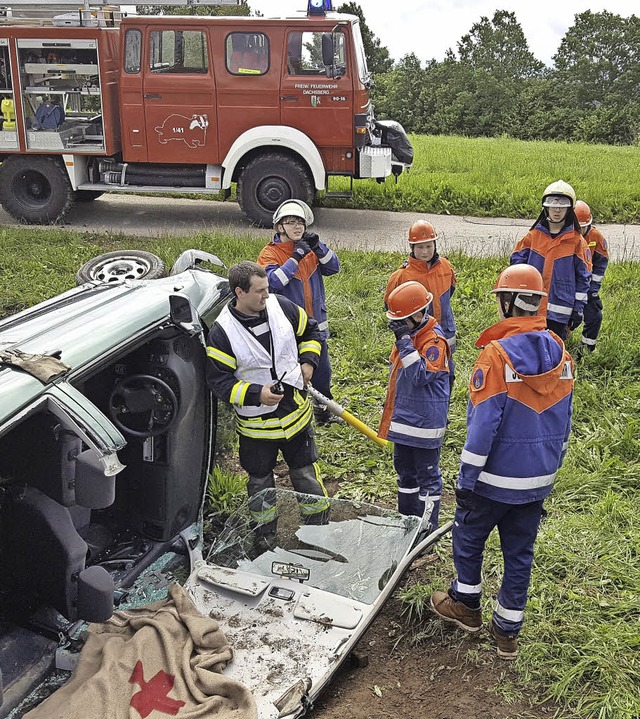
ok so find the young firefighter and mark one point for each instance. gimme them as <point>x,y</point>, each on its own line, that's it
<point>600,259</point>
<point>518,423</point>
<point>257,343</point>
<point>426,266</point>
<point>555,247</point>
<point>415,410</point>
<point>296,262</point>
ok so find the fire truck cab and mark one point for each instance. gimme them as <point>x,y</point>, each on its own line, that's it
<point>93,103</point>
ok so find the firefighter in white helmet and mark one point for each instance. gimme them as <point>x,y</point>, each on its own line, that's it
<point>555,247</point>
<point>296,262</point>
<point>518,425</point>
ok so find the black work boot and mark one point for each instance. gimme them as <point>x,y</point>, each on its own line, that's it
<point>451,610</point>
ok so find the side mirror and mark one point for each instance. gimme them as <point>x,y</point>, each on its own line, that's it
<point>180,310</point>
<point>327,49</point>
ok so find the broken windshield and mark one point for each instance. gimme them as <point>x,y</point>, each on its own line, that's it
<point>352,553</point>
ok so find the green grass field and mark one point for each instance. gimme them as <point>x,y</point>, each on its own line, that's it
<point>581,642</point>
<point>499,177</point>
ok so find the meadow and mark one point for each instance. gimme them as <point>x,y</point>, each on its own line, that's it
<point>581,641</point>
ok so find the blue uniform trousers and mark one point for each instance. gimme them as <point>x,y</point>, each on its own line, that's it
<point>322,374</point>
<point>419,477</point>
<point>592,322</point>
<point>518,527</point>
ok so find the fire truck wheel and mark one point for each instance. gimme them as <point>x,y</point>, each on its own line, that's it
<point>267,181</point>
<point>35,189</point>
<point>88,195</point>
<point>121,265</point>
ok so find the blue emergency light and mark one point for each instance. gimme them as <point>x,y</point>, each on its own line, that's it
<point>319,7</point>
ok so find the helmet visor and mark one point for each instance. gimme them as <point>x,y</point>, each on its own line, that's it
<point>556,201</point>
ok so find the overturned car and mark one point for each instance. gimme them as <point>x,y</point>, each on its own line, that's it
<point>107,431</point>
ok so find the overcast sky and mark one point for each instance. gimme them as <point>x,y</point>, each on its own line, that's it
<point>429,27</point>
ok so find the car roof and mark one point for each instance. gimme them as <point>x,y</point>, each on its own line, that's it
<point>87,323</point>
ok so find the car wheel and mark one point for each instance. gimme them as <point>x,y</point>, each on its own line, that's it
<point>122,265</point>
<point>267,181</point>
<point>88,195</point>
<point>35,189</point>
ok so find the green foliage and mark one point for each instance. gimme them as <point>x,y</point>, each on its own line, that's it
<point>226,491</point>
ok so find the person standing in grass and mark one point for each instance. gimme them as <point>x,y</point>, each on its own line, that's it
<point>555,247</point>
<point>426,266</point>
<point>296,262</point>
<point>417,402</point>
<point>600,259</point>
<point>518,424</point>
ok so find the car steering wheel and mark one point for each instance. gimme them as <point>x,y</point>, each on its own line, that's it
<point>142,405</point>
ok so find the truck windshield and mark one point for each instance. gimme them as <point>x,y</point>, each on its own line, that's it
<point>361,58</point>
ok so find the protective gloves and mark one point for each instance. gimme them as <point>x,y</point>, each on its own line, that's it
<point>312,239</point>
<point>575,320</point>
<point>465,498</point>
<point>596,301</point>
<point>301,250</point>
<point>399,328</point>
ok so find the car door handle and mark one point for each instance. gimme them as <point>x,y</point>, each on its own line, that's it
<point>153,95</point>
<point>289,98</point>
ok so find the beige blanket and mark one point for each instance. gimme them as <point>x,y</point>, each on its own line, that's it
<point>161,660</point>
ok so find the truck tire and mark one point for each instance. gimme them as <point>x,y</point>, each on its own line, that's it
<point>88,195</point>
<point>267,181</point>
<point>121,265</point>
<point>35,190</point>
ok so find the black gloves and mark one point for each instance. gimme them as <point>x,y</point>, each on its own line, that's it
<point>596,301</point>
<point>399,328</point>
<point>312,239</point>
<point>301,250</point>
<point>465,498</point>
<point>575,320</point>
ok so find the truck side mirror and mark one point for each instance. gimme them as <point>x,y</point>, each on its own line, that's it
<point>327,51</point>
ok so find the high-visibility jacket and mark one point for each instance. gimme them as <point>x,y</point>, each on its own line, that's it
<point>241,363</point>
<point>301,282</point>
<point>564,262</point>
<point>599,258</point>
<point>439,278</point>
<point>519,412</point>
<point>417,401</point>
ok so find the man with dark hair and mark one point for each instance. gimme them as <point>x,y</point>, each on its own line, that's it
<point>263,350</point>
<point>518,424</point>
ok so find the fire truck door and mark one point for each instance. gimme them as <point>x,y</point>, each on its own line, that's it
<point>318,105</point>
<point>179,97</point>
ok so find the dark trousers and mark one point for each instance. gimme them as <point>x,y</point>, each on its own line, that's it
<point>419,478</point>
<point>558,327</point>
<point>592,321</point>
<point>321,379</point>
<point>518,527</point>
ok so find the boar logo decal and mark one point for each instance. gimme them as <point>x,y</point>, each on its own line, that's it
<point>191,130</point>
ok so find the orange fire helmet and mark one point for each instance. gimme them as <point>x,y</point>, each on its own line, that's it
<point>407,299</point>
<point>583,213</point>
<point>520,278</point>
<point>422,231</point>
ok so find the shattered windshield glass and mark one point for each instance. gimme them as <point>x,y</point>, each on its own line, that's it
<point>350,548</point>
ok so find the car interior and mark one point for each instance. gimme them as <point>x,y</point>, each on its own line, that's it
<point>73,541</point>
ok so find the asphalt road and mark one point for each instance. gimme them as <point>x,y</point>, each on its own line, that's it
<point>354,229</point>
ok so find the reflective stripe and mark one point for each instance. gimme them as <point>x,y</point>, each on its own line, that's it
<point>429,497</point>
<point>302,322</point>
<point>281,275</point>
<point>266,515</point>
<point>467,588</point>
<point>581,296</point>
<point>260,329</point>
<point>411,431</point>
<point>477,460</point>
<point>310,346</point>
<point>496,480</point>
<point>239,392</point>
<point>597,278</point>
<point>452,341</point>
<point>588,341</point>
<point>408,490</point>
<point>511,615</point>
<point>323,325</point>
<point>223,357</point>
<point>327,258</point>
<point>565,445</point>
<point>309,508</point>
<point>411,358</point>
<point>559,309</point>
<point>275,428</point>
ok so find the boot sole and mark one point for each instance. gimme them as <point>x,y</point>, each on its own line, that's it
<point>507,656</point>
<point>466,627</point>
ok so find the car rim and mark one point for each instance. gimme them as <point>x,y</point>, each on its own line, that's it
<point>120,268</point>
<point>32,188</point>
<point>272,192</point>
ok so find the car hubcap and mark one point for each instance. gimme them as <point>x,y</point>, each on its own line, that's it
<point>122,268</point>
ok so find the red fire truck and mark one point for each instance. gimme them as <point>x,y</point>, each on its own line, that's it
<point>92,102</point>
